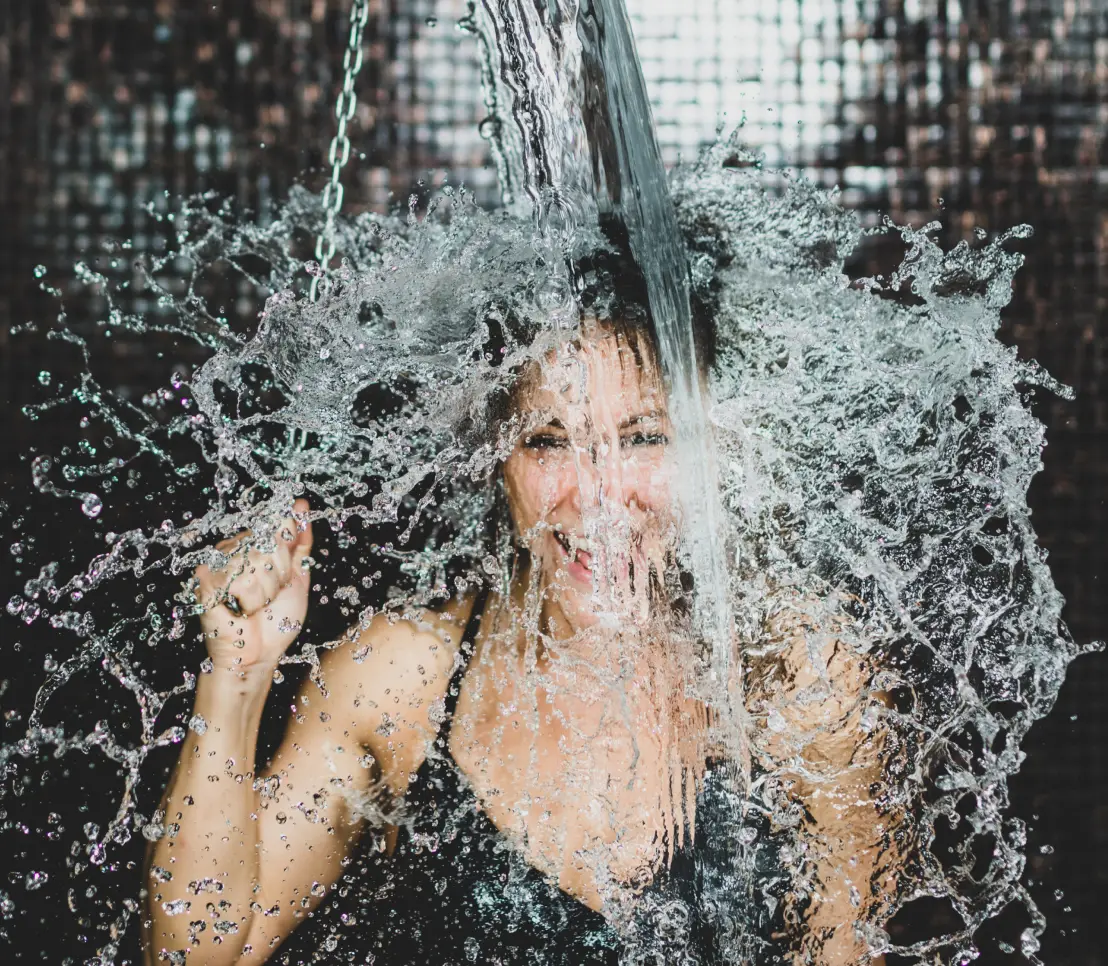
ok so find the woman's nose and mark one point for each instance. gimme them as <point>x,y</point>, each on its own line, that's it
<point>601,476</point>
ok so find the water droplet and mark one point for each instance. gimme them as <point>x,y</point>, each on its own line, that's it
<point>44,378</point>
<point>225,479</point>
<point>198,724</point>
<point>35,880</point>
<point>40,270</point>
<point>91,505</point>
<point>198,886</point>
<point>869,719</point>
<point>288,626</point>
<point>267,787</point>
<point>555,295</point>
<point>436,711</point>
<point>489,128</point>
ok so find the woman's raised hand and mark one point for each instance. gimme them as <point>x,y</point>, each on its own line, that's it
<point>255,606</point>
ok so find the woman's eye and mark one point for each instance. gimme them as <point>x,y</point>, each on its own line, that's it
<point>645,439</point>
<point>544,441</point>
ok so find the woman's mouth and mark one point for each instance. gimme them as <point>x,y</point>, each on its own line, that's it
<point>579,559</point>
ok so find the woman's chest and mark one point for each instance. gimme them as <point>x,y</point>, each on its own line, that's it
<point>588,807</point>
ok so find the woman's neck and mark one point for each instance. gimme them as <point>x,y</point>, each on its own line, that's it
<point>584,664</point>
<point>612,701</point>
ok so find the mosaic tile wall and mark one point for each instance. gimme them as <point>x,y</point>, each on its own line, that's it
<point>981,112</point>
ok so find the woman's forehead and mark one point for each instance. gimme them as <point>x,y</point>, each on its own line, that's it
<point>600,369</point>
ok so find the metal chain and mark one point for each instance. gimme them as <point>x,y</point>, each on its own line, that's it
<point>339,154</point>
<point>340,144</point>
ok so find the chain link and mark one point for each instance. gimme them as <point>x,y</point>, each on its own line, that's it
<point>340,145</point>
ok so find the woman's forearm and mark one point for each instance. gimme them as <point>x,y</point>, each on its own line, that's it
<point>853,877</point>
<point>201,872</point>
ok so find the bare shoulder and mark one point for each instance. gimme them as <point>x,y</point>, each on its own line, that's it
<point>390,674</point>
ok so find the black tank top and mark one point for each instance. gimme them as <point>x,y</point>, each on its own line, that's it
<point>455,890</point>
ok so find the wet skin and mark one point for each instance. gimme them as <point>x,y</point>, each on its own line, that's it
<point>589,481</point>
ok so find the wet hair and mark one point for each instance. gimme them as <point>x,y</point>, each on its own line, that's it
<point>610,288</point>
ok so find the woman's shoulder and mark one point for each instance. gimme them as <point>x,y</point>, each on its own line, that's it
<point>413,648</point>
<point>386,676</point>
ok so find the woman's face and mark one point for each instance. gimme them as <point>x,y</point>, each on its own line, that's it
<point>587,481</point>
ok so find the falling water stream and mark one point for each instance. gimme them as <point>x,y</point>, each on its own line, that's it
<point>856,464</point>
<point>581,144</point>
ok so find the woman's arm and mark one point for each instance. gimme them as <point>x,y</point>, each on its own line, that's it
<point>242,858</point>
<point>370,730</point>
<point>253,858</point>
<point>242,861</point>
<point>820,725</point>
<point>200,871</point>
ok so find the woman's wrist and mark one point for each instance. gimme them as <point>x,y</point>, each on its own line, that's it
<point>232,697</point>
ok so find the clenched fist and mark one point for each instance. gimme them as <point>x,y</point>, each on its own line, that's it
<point>255,606</point>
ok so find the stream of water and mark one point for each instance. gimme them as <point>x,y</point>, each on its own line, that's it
<point>574,141</point>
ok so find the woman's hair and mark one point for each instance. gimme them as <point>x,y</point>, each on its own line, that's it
<point>611,291</point>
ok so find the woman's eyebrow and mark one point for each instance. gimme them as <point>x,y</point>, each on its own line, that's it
<point>640,418</point>
<point>554,423</point>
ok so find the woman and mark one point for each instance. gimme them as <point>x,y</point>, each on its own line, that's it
<point>539,779</point>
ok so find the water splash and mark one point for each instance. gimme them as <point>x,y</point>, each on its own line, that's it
<point>871,448</point>
<point>876,436</point>
<point>874,449</point>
